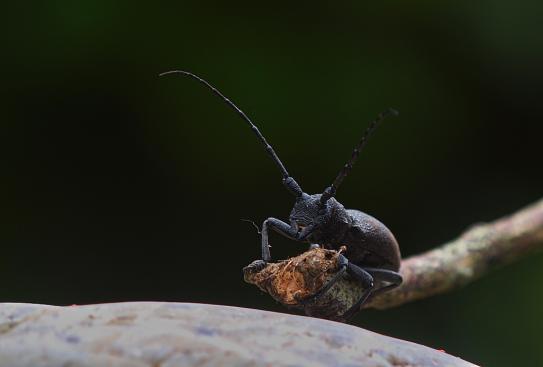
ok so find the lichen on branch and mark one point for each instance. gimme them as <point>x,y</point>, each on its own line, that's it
<point>480,249</point>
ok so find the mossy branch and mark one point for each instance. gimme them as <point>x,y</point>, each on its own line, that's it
<point>477,251</point>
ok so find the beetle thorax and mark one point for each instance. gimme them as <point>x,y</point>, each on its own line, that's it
<point>328,219</point>
<point>306,209</point>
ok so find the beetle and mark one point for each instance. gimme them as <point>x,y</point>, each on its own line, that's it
<point>372,254</point>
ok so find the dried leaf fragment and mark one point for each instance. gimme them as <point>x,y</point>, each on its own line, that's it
<point>294,280</point>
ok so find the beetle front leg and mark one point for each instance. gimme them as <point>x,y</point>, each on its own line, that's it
<point>280,227</point>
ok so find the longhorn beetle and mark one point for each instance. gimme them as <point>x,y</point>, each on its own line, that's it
<point>372,255</point>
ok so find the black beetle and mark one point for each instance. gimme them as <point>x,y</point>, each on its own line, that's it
<point>372,253</point>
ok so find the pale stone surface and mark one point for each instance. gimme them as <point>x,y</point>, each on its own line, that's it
<point>154,334</point>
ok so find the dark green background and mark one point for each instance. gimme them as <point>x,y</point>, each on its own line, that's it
<point>118,185</point>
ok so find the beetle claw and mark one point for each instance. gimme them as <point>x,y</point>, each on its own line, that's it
<point>305,301</point>
<point>255,266</point>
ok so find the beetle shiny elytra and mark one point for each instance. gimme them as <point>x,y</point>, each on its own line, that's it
<point>372,254</point>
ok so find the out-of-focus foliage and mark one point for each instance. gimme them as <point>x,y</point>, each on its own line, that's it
<point>119,185</point>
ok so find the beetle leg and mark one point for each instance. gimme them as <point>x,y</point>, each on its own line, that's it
<point>366,280</point>
<point>278,226</point>
<point>384,275</point>
<point>380,275</point>
<point>342,263</point>
<point>304,233</point>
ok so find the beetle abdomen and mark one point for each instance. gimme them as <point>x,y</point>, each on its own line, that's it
<point>370,243</point>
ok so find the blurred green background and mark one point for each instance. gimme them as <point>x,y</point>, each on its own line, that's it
<point>118,185</point>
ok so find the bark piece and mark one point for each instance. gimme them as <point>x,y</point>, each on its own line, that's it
<point>293,280</point>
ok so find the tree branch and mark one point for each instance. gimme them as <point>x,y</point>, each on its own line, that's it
<point>477,251</point>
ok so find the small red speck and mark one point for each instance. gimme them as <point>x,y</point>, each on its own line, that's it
<point>74,305</point>
<point>441,350</point>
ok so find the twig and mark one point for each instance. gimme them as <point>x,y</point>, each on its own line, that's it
<point>480,249</point>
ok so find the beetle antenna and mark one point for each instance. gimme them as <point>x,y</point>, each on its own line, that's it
<point>288,181</point>
<point>253,223</point>
<point>331,190</point>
